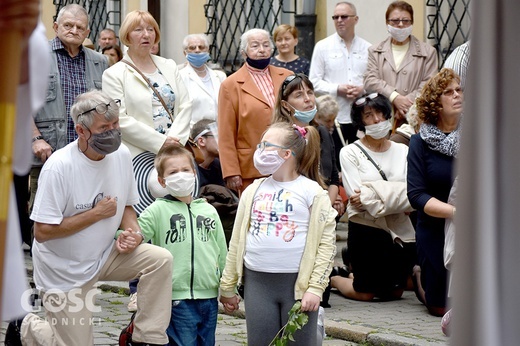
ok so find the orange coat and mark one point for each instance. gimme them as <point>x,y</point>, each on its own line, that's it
<point>243,116</point>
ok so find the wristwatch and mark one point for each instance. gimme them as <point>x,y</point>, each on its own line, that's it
<point>141,234</point>
<point>37,138</point>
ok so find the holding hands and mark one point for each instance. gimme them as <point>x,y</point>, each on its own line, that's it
<point>230,304</point>
<point>128,240</point>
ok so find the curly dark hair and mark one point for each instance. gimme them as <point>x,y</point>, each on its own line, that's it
<point>429,105</point>
<point>379,103</point>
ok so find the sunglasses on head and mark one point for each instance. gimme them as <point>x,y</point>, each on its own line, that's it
<point>362,100</point>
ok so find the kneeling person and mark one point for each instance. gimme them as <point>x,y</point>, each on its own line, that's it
<point>86,192</point>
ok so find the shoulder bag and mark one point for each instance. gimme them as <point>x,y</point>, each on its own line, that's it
<point>190,144</point>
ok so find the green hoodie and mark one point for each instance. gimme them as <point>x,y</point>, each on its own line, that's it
<point>194,235</point>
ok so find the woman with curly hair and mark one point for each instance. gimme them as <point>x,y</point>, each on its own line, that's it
<point>430,176</point>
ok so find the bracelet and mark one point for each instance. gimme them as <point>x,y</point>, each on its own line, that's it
<point>142,236</point>
<point>37,138</point>
<point>453,212</point>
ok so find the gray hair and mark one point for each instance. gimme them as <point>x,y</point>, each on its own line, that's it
<point>204,37</point>
<point>88,101</point>
<point>73,9</point>
<point>412,116</point>
<point>244,39</point>
<point>349,4</point>
<point>327,105</point>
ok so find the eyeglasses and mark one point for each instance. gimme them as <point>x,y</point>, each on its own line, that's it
<point>343,16</point>
<point>263,145</point>
<point>451,92</point>
<point>201,47</point>
<point>395,22</point>
<point>288,80</point>
<point>361,101</point>
<point>102,108</point>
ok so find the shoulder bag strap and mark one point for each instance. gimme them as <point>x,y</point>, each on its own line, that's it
<point>151,86</point>
<point>373,162</point>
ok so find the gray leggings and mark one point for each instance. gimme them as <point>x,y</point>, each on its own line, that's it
<point>268,297</point>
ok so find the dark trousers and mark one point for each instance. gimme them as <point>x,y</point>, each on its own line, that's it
<point>21,188</point>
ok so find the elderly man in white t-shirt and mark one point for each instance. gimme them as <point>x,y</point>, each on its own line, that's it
<point>86,192</point>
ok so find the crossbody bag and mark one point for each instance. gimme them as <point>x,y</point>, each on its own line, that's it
<point>383,175</point>
<point>190,144</point>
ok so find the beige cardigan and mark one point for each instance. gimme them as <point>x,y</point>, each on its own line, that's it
<point>318,255</point>
<point>386,205</point>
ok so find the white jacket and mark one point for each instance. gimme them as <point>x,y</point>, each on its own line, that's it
<point>204,102</point>
<point>135,115</point>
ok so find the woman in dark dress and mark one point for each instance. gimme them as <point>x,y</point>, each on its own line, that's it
<point>430,176</point>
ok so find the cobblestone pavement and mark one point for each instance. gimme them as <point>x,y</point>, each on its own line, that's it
<point>402,322</point>
<point>114,316</point>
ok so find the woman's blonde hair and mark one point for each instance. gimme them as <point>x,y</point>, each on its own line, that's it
<point>132,20</point>
<point>283,28</point>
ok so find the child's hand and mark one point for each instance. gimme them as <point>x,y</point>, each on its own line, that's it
<point>230,304</point>
<point>310,302</point>
<point>128,241</point>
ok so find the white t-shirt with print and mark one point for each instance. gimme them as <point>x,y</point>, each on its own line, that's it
<point>69,184</point>
<point>279,224</point>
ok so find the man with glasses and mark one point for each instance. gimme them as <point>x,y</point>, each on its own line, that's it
<point>337,67</point>
<point>87,192</point>
<point>73,71</point>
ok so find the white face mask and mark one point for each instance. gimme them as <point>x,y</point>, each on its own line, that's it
<point>267,161</point>
<point>379,130</point>
<point>180,184</point>
<point>398,34</point>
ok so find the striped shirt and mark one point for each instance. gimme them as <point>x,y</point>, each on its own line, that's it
<point>459,62</point>
<point>264,82</point>
<point>72,79</point>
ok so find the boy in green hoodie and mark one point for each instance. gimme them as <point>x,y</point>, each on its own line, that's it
<point>191,230</point>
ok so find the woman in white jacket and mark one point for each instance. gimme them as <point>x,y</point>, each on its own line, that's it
<point>145,123</point>
<point>202,82</point>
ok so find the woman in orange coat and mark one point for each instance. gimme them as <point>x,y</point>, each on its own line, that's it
<point>245,108</point>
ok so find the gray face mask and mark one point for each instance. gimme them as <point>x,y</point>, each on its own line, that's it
<point>106,142</point>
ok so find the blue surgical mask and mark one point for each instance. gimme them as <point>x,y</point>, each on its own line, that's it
<point>259,63</point>
<point>304,116</point>
<point>197,59</point>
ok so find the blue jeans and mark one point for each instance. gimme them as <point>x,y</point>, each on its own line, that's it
<point>193,322</point>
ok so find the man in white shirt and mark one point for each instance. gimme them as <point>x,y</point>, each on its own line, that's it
<point>338,64</point>
<point>87,190</point>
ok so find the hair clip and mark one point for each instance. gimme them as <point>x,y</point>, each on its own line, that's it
<point>301,130</point>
